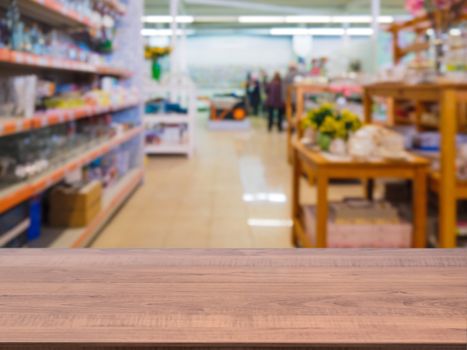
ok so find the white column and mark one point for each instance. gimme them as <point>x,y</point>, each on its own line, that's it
<point>174,61</point>
<point>375,12</point>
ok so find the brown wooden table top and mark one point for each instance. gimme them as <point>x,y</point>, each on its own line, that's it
<point>316,299</point>
<point>318,158</point>
<point>422,86</point>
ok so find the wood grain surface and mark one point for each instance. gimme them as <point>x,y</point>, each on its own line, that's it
<point>233,299</point>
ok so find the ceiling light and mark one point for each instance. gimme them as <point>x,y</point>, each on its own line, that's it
<point>308,31</point>
<point>351,19</point>
<point>322,31</point>
<point>163,32</point>
<point>168,19</point>
<point>361,19</point>
<point>261,19</point>
<point>308,19</point>
<point>360,31</point>
<point>385,19</point>
<point>270,223</point>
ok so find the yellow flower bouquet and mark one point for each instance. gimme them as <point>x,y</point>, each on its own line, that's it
<point>331,123</point>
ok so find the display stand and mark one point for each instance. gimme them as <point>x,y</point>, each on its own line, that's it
<point>184,93</point>
<point>419,26</point>
<point>420,44</point>
<point>450,96</point>
<point>322,170</point>
<point>295,113</point>
<point>129,53</point>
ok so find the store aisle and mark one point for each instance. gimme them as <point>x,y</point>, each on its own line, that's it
<point>234,193</point>
<point>221,197</point>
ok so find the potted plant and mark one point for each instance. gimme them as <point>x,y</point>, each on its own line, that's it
<point>332,126</point>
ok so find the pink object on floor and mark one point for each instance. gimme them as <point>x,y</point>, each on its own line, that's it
<point>360,235</point>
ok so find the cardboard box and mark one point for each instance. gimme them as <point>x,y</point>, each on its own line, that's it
<point>74,218</point>
<point>75,207</point>
<point>75,198</point>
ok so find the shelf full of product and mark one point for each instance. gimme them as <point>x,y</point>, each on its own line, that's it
<point>28,40</point>
<point>70,144</point>
<point>447,149</point>
<point>169,122</point>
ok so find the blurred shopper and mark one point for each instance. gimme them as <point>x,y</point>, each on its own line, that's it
<point>275,102</point>
<point>247,94</point>
<point>254,95</point>
<point>263,78</point>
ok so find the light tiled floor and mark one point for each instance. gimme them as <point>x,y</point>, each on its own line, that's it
<point>234,193</point>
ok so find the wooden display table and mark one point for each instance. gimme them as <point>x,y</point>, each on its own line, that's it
<point>295,113</point>
<point>233,299</point>
<point>453,99</point>
<point>321,170</point>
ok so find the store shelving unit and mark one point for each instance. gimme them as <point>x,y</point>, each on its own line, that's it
<point>23,59</point>
<point>54,13</point>
<point>57,15</point>
<point>14,232</point>
<point>16,194</point>
<point>419,26</point>
<point>184,94</point>
<point>420,44</point>
<point>82,237</point>
<point>10,126</point>
<point>450,96</point>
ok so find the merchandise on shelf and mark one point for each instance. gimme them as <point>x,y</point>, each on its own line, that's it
<point>22,35</point>
<point>376,142</point>
<point>28,95</point>
<point>166,134</point>
<point>14,226</point>
<point>25,155</point>
<point>362,224</point>
<point>17,96</point>
<point>164,106</point>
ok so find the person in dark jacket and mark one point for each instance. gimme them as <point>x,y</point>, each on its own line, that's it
<point>254,95</point>
<point>274,102</point>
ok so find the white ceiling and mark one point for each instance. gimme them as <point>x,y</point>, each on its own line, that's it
<point>274,7</point>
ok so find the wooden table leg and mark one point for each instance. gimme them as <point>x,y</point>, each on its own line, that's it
<point>370,189</point>
<point>448,178</point>
<point>296,174</point>
<point>367,107</point>
<point>322,208</point>
<point>419,187</point>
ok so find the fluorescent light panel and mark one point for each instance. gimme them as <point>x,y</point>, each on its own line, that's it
<point>360,31</point>
<point>313,19</point>
<point>322,31</point>
<point>308,19</point>
<point>168,19</point>
<point>163,32</point>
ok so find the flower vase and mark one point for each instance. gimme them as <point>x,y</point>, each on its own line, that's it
<point>324,141</point>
